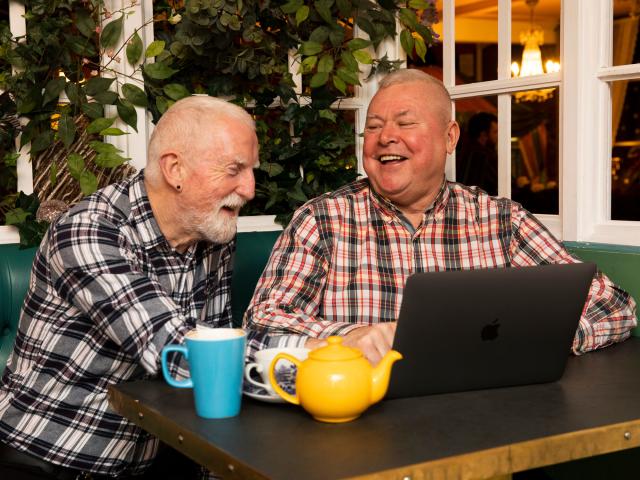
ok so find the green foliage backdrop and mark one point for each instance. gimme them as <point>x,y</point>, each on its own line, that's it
<point>239,49</point>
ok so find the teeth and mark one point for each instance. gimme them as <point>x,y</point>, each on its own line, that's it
<point>390,158</point>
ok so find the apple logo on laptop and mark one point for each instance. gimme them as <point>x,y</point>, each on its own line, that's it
<point>490,330</point>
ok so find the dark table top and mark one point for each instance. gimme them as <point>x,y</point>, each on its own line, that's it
<point>593,409</point>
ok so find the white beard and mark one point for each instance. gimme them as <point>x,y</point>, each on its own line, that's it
<point>217,227</point>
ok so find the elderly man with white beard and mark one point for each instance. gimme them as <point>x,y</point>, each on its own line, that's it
<point>128,270</point>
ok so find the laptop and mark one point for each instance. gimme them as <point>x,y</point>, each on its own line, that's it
<point>477,329</point>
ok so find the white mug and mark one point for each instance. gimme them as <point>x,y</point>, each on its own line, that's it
<point>285,371</point>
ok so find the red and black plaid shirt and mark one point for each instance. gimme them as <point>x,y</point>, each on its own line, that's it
<point>345,257</point>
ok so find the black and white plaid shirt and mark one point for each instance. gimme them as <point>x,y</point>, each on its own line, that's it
<point>107,292</point>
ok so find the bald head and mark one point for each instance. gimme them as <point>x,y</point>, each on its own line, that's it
<point>181,129</point>
<point>435,91</point>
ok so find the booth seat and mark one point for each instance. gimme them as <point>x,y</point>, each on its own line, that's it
<point>621,263</point>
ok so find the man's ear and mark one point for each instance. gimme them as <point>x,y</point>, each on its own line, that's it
<point>172,168</point>
<point>453,134</point>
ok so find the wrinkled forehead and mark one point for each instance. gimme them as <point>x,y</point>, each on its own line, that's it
<point>417,98</point>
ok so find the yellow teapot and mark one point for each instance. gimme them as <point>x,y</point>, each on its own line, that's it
<point>336,383</point>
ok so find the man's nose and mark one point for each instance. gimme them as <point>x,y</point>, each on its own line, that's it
<point>247,186</point>
<point>388,134</point>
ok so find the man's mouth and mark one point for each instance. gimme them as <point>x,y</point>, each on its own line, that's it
<point>391,158</point>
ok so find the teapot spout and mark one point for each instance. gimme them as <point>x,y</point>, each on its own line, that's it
<point>381,374</point>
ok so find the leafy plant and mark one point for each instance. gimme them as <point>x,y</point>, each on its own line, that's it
<point>240,49</point>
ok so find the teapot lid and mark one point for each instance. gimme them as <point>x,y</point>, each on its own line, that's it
<point>335,351</point>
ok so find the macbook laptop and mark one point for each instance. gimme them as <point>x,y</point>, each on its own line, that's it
<point>476,329</point>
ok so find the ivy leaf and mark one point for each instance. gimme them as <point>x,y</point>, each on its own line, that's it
<point>111,33</point>
<point>106,98</point>
<point>75,93</point>
<point>66,129</point>
<point>128,114</point>
<point>41,142</point>
<point>16,216</point>
<point>97,85</point>
<point>52,89</point>
<point>162,103</point>
<point>363,57</point>
<point>419,4</point>
<point>154,49</point>
<point>31,100</point>
<point>320,34</point>
<point>272,169</point>
<point>100,124</point>
<point>325,64</point>
<point>102,147</point>
<point>302,14</point>
<point>357,44</point>
<point>336,36</point>
<point>85,23</point>
<point>408,18</point>
<point>176,91</point>
<point>319,79</point>
<point>112,131</point>
<point>344,7</point>
<point>88,182</point>
<point>134,49</point>
<point>291,6</point>
<point>340,84</point>
<point>135,95</point>
<point>53,174</point>
<point>349,77</point>
<point>310,48</point>
<point>421,48</point>
<point>407,42</point>
<point>323,7</point>
<point>349,61</point>
<point>159,70</point>
<point>75,165</point>
<point>328,114</point>
<point>307,64</point>
<point>109,160</point>
<point>93,110</point>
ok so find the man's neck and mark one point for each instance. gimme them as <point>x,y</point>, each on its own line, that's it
<point>165,211</point>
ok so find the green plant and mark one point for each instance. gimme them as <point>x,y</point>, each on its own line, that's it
<point>235,48</point>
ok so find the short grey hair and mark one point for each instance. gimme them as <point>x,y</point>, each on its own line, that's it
<point>412,75</point>
<point>180,126</point>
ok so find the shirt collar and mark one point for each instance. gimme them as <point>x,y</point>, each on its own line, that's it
<point>389,211</point>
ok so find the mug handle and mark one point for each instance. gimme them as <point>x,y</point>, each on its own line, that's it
<point>247,376</point>
<point>187,383</point>
<point>272,377</point>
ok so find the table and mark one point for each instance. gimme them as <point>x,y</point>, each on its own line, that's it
<point>593,409</point>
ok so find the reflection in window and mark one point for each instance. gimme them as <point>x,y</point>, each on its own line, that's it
<point>476,153</point>
<point>625,154</point>
<point>476,46</point>
<point>534,154</point>
<point>626,17</point>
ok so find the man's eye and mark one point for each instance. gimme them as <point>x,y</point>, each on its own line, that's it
<point>407,124</point>
<point>372,127</point>
<point>234,170</point>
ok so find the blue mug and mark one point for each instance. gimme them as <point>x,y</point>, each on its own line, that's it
<point>216,365</point>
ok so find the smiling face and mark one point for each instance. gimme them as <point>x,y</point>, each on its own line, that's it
<point>406,140</point>
<point>219,180</point>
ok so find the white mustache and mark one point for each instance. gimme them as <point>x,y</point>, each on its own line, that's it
<point>233,200</point>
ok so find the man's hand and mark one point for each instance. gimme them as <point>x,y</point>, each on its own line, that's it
<point>374,341</point>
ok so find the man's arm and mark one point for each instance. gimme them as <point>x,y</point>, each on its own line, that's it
<point>288,298</point>
<point>101,278</point>
<point>609,311</point>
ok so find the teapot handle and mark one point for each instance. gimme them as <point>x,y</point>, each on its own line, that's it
<point>272,377</point>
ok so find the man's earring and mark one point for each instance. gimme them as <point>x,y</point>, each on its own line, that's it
<point>179,188</point>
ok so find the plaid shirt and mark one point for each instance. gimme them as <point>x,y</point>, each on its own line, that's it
<point>345,257</point>
<point>107,293</point>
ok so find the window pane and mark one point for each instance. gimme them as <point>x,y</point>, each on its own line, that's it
<point>535,41</point>
<point>534,149</point>
<point>625,155</point>
<point>476,50</point>
<point>476,153</point>
<point>432,63</point>
<point>626,16</point>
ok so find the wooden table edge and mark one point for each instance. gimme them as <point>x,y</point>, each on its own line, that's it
<point>498,462</point>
